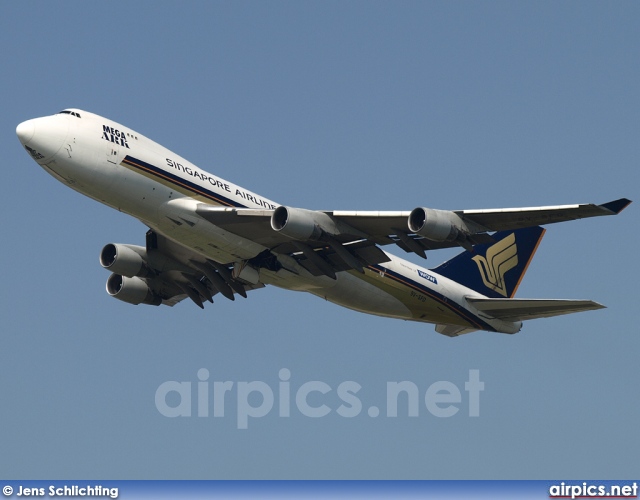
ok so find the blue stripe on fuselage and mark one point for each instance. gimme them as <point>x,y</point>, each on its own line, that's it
<point>175,179</point>
<point>452,306</point>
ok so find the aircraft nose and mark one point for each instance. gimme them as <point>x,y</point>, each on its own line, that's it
<point>25,131</point>
<point>43,137</point>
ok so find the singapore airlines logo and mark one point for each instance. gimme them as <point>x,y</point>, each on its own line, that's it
<point>499,259</point>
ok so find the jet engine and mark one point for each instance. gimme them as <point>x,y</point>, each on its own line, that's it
<point>298,223</point>
<point>127,260</point>
<point>131,290</point>
<point>436,225</point>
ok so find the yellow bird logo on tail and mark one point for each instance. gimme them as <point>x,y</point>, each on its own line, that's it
<point>499,259</point>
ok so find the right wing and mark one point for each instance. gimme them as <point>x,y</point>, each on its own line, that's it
<point>166,272</point>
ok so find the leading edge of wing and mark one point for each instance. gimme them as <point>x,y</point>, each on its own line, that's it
<point>500,219</point>
<point>613,207</point>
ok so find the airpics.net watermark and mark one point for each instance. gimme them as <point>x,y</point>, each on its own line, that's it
<point>257,399</point>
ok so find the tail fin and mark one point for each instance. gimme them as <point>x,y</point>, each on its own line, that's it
<point>495,269</point>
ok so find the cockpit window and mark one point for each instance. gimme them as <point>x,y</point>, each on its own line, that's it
<point>67,112</point>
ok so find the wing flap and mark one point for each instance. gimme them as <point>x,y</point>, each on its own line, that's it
<point>180,272</point>
<point>247,223</point>
<point>365,250</point>
<point>525,309</point>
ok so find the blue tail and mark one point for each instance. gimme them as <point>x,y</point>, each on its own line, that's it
<point>496,269</point>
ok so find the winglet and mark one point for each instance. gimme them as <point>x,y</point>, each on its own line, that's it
<point>616,206</point>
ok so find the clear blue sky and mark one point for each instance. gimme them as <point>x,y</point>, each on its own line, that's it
<point>326,105</point>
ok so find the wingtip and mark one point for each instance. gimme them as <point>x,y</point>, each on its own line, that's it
<point>616,206</point>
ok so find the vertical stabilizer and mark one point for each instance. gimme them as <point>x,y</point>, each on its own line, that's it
<point>495,269</point>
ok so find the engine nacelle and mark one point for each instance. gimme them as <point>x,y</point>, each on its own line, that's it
<point>298,223</point>
<point>131,290</point>
<point>127,260</point>
<point>435,225</point>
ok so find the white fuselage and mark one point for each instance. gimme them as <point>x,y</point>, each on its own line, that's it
<point>127,171</point>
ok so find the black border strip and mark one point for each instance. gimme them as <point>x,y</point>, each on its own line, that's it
<point>452,306</point>
<point>191,186</point>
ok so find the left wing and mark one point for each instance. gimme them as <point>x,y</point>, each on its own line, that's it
<point>503,219</point>
<point>437,224</point>
<point>319,242</point>
<point>285,229</point>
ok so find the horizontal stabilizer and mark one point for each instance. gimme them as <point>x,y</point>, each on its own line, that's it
<point>524,309</point>
<point>454,330</point>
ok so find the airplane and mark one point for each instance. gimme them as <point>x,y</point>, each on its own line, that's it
<point>207,236</point>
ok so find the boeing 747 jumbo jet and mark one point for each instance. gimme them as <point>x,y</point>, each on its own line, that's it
<point>208,236</point>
